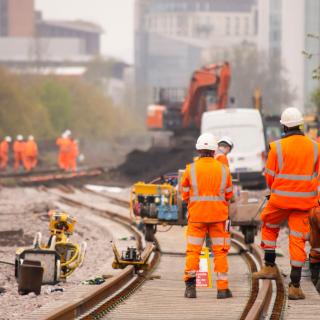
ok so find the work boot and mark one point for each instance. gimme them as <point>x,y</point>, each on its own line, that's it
<point>295,292</point>
<point>190,288</point>
<point>224,294</point>
<point>266,272</point>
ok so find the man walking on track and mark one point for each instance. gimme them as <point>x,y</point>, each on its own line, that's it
<point>291,175</point>
<point>207,187</point>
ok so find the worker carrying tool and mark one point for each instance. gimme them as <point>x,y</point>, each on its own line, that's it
<point>4,152</point>
<point>225,146</point>
<point>291,175</point>
<point>207,188</point>
<point>18,150</point>
<point>314,257</point>
<point>30,154</point>
<point>64,144</point>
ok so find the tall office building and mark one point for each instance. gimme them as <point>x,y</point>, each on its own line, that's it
<point>174,37</point>
<point>284,26</point>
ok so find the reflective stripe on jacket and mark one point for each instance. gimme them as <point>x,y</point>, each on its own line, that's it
<point>207,186</point>
<point>220,156</point>
<point>291,172</point>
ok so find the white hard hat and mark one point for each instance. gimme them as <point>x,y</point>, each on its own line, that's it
<point>226,140</point>
<point>8,139</point>
<point>19,137</point>
<point>68,132</point>
<point>291,117</point>
<point>207,141</point>
<point>31,137</point>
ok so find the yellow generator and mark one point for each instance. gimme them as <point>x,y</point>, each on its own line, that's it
<point>59,257</point>
<point>157,203</point>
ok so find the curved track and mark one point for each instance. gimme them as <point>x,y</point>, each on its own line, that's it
<point>163,297</point>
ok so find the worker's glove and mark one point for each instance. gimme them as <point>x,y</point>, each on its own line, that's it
<point>268,196</point>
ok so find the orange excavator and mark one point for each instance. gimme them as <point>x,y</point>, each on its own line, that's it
<point>208,90</point>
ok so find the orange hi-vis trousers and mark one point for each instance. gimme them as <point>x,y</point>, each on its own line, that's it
<point>315,235</point>
<point>30,162</point>
<point>299,231</point>
<point>220,240</point>
<point>18,160</point>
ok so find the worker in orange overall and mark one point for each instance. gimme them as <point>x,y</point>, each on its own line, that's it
<point>4,152</point>
<point>207,188</point>
<point>64,144</point>
<point>18,150</point>
<point>291,175</point>
<point>225,146</point>
<point>30,154</point>
<point>74,154</point>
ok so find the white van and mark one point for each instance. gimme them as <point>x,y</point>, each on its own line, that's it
<point>245,128</point>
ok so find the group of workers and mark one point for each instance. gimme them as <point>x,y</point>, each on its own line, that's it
<point>25,153</point>
<point>68,151</point>
<point>292,171</point>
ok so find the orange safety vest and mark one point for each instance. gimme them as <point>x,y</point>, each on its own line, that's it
<point>31,149</point>
<point>4,147</point>
<point>18,146</point>
<point>291,172</point>
<point>207,186</point>
<point>220,156</point>
<point>64,144</point>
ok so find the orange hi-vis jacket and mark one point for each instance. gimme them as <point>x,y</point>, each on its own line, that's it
<point>207,186</point>
<point>4,147</point>
<point>291,172</point>
<point>64,144</point>
<point>31,149</point>
<point>18,147</point>
<point>220,156</point>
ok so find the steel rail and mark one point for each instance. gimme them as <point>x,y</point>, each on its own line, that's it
<point>101,300</point>
<point>105,297</point>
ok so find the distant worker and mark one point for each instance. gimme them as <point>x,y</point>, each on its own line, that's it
<point>207,188</point>
<point>225,146</point>
<point>18,150</point>
<point>64,144</point>
<point>314,257</point>
<point>30,154</point>
<point>74,152</point>
<point>4,152</point>
<point>291,175</point>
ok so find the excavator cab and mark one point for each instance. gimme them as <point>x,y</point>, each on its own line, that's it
<point>177,111</point>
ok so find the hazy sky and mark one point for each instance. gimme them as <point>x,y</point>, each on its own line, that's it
<point>114,16</point>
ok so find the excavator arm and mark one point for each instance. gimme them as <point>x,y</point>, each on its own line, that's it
<point>203,80</point>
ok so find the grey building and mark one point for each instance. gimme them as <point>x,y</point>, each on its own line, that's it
<point>284,26</point>
<point>87,32</point>
<point>173,38</point>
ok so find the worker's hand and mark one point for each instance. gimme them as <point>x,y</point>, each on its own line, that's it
<point>268,196</point>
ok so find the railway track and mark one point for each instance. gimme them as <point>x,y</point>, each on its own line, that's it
<point>163,297</point>
<point>47,176</point>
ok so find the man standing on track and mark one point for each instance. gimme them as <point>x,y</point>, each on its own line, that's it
<point>291,175</point>
<point>207,187</point>
<point>30,154</point>
<point>4,152</point>
<point>18,150</point>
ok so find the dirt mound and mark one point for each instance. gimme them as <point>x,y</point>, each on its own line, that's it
<point>141,165</point>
